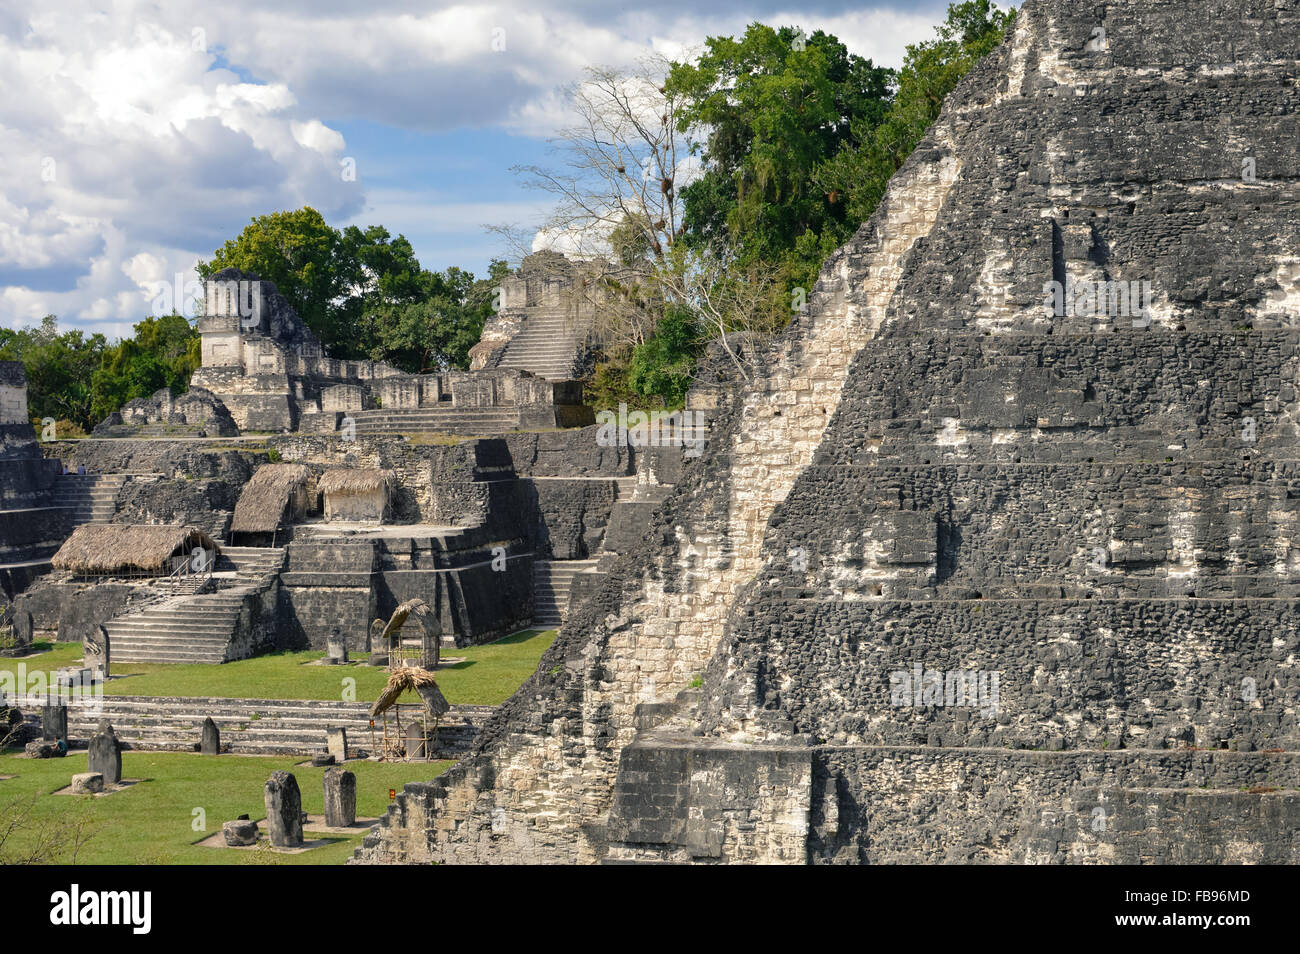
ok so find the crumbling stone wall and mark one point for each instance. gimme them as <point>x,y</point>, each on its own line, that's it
<point>197,411</point>
<point>572,516</point>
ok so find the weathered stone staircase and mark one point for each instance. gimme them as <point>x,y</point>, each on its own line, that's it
<point>91,498</point>
<point>198,627</point>
<point>247,726</point>
<point>467,421</point>
<point>251,566</point>
<point>552,580</point>
<point>549,345</point>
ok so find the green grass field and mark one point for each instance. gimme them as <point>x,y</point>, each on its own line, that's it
<point>154,822</point>
<point>487,676</point>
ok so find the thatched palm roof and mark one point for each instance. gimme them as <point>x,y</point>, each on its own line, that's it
<point>411,679</point>
<point>417,606</point>
<point>261,505</point>
<point>350,480</point>
<point>114,547</point>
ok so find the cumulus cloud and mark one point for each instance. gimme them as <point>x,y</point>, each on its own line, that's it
<point>134,152</point>
<point>138,136</point>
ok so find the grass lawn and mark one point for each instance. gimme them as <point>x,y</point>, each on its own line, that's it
<point>487,676</point>
<point>154,821</point>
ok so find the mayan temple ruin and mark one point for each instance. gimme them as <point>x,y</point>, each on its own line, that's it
<point>991,555</point>
<point>967,576</point>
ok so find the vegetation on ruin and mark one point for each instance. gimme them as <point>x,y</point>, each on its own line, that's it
<point>723,182</point>
<point>762,155</point>
<point>79,379</point>
<point>153,822</point>
<point>487,675</point>
<point>363,292</point>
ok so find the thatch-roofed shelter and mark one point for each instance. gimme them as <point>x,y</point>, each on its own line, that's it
<point>120,549</point>
<point>424,650</point>
<point>416,739</point>
<point>356,494</point>
<point>277,495</point>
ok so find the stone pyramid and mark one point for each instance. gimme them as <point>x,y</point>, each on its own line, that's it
<point>999,561</point>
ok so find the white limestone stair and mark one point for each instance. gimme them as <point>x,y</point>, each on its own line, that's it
<point>200,627</point>
<point>552,581</point>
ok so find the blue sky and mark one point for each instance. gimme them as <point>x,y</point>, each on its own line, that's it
<point>136,136</point>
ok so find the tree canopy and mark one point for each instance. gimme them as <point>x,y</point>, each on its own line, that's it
<point>362,291</point>
<point>775,104</point>
<point>796,139</point>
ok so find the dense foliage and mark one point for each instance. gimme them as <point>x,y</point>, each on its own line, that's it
<point>363,292</point>
<point>79,379</point>
<point>799,141</point>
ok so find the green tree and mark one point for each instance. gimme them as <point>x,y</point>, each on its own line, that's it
<point>163,352</point>
<point>436,331</point>
<point>362,291</point>
<point>59,369</point>
<point>861,170</point>
<point>663,365</point>
<point>310,264</point>
<point>776,103</point>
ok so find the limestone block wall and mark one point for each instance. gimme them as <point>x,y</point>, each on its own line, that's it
<point>930,805</point>
<point>684,802</point>
<point>569,454</point>
<point>326,588</point>
<point>572,516</point>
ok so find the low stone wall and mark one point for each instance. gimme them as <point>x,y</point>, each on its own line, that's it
<point>69,611</point>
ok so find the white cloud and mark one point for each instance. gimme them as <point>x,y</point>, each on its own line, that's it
<point>138,136</point>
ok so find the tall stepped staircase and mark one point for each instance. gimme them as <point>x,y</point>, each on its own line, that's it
<point>92,498</point>
<point>468,421</point>
<point>548,344</point>
<point>196,627</point>
<point>552,580</point>
<point>248,726</point>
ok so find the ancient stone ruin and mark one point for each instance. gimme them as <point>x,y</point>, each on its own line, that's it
<point>283,810</point>
<point>266,371</point>
<point>993,563</point>
<point>105,755</point>
<point>340,798</point>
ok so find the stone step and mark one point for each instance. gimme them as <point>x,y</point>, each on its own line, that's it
<point>165,641</point>
<point>148,657</point>
<point>162,624</point>
<point>247,725</point>
<point>552,580</point>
